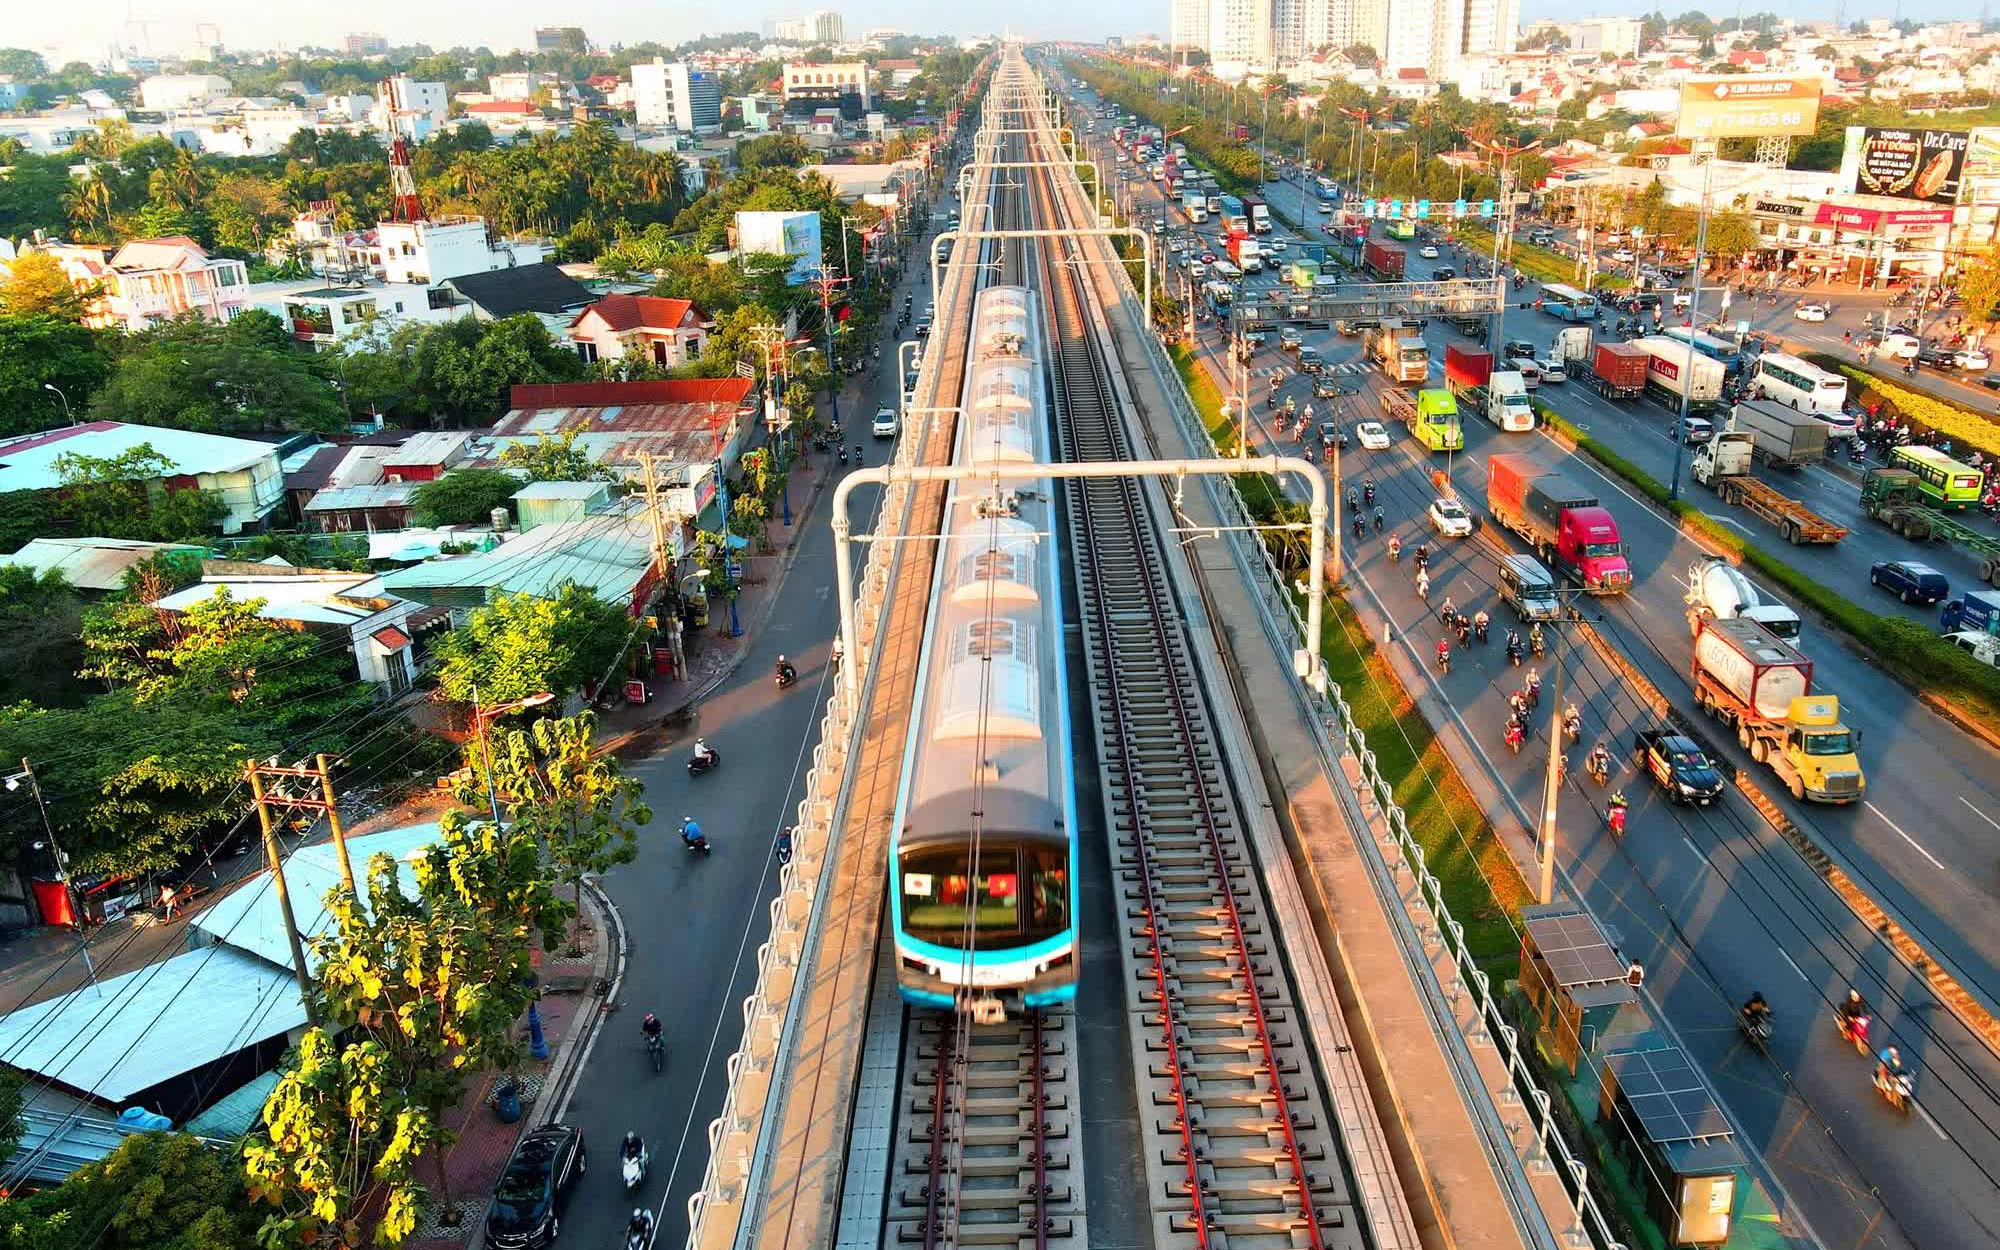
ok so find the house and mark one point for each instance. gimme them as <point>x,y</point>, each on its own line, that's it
<point>609,553</point>
<point>503,110</point>
<point>427,457</point>
<point>539,288</point>
<point>165,93</point>
<point>845,83</point>
<point>697,421</point>
<point>360,509</point>
<point>323,315</point>
<point>548,503</point>
<point>243,472</point>
<point>897,74</point>
<point>91,565</point>
<point>667,332</point>
<point>376,626</point>
<point>148,281</point>
<point>439,248</point>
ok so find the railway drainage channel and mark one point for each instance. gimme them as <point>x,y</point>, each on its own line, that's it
<point>987,1143</point>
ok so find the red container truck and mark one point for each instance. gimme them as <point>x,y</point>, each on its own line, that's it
<point>1466,366</point>
<point>1563,521</point>
<point>1618,370</point>
<point>1384,260</point>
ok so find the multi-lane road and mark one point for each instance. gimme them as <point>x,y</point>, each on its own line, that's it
<point>1711,899</point>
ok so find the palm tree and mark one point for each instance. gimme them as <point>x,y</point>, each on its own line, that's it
<point>87,202</point>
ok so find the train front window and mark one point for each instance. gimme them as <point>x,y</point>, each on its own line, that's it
<point>1005,905</point>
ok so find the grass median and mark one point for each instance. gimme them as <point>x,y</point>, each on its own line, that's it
<point>1909,650</point>
<point>1538,263</point>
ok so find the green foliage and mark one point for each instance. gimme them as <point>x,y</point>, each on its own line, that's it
<point>1980,287</point>
<point>125,496</point>
<point>555,458</point>
<point>41,351</point>
<point>772,152</point>
<point>463,368</point>
<point>37,285</point>
<point>1964,427</point>
<point>522,645</point>
<point>40,617</point>
<point>242,377</point>
<point>463,497</point>
<point>157,1191</point>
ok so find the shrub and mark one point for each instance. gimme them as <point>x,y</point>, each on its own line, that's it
<point>1961,425</point>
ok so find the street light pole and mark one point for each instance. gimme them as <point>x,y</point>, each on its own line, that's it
<point>1552,783</point>
<point>67,414</point>
<point>1694,310</point>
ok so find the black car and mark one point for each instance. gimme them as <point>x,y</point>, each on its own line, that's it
<point>1991,381</point>
<point>1325,386</point>
<point>1443,273</point>
<point>1934,358</point>
<point>1678,766</point>
<point>528,1202</point>
<point>1309,360</point>
<point>1519,349</point>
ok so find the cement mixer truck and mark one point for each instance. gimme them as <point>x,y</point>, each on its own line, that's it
<point>1718,589</point>
<point>1745,676</point>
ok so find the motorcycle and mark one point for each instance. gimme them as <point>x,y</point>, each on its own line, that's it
<point>1616,815</point>
<point>1756,1030</point>
<point>699,763</point>
<point>1514,736</point>
<point>1898,1089</point>
<point>1853,1029</point>
<point>656,1051</point>
<point>1514,652</point>
<point>1572,730</point>
<point>640,1238</point>
<point>1479,628</point>
<point>1599,768</point>
<point>1368,493</point>
<point>1444,659</point>
<point>843,453</point>
<point>634,1166</point>
<point>858,459</point>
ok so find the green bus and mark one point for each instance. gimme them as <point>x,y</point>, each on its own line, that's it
<point>1944,483</point>
<point>1402,228</point>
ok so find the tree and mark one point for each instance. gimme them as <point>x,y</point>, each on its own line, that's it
<point>41,616</point>
<point>36,286</point>
<point>1731,234</point>
<point>242,377</point>
<point>1979,286</point>
<point>126,496</point>
<point>465,367</point>
<point>430,986</point>
<point>37,353</point>
<point>521,645</point>
<point>157,1191</point>
<point>22,65</point>
<point>552,782</point>
<point>555,459</point>
<point>463,497</point>
<point>1361,54</point>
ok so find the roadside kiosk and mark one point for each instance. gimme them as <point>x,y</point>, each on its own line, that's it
<point>1664,1125</point>
<point>1574,982</point>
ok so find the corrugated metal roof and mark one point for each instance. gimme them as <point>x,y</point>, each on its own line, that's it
<point>28,462</point>
<point>236,1112</point>
<point>430,447</point>
<point>379,495</point>
<point>310,599</point>
<point>562,490</point>
<point>132,1032</point>
<point>89,563</point>
<point>608,553</point>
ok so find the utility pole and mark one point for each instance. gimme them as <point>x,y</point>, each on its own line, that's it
<point>1503,222</point>
<point>656,512</point>
<point>255,776</point>
<point>1552,782</point>
<point>289,788</point>
<point>27,774</point>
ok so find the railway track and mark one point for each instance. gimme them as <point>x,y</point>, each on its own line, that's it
<point>1240,1149</point>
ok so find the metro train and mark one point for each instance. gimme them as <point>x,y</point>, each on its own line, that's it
<point>982,855</point>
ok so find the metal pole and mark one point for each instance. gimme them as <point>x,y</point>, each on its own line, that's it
<point>1552,785</point>
<point>1694,310</point>
<point>62,866</point>
<point>271,857</point>
<point>486,754</point>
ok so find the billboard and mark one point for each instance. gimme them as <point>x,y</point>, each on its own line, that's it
<point>1904,162</point>
<point>1747,106</point>
<point>794,234</point>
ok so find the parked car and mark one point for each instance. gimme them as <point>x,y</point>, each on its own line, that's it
<point>885,423</point>
<point>1372,435</point>
<point>1809,312</point>
<point>1934,357</point>
<point>1623,256</point>
<point>528,1201</point>
<point>1678,766</point>
<point>1449,518</point>
<point>1912,581</point>
<point>1973,359</point>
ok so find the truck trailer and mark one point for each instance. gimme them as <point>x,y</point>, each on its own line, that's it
<point>1756,682</point>
<point>1781,435</point>
<point>1565,524</point>
<point>1501,398</point>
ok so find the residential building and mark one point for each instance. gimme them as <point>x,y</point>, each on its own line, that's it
<point>434,250</point>
<point>95,566</point>
<point>1187,25</point>
<point>670,95</point>
<point>823,26</point>
<point>761,113</point>
<point>1240,32</point>
<point>1491,28</point>
<point>421,108</point>
<point>375,508</point>
<point>324,315</point>
<point>504,112</point>
<point>148,281</point>
<point>520,84</point>
<point>12,93</point>
<point>366,45</point>
<point>243,472</point>
<point>680,420</point>
<point>376,626</point>
<point>845,83</point>
<point>609,553</point>
<point>165,93</point>
<point>561,39</point>
<point>541,288</point>
<point>552,503</point>
<point>897,74</point>
<point>667,332</point>
<point>1618,36</point>
<point>54,130</point>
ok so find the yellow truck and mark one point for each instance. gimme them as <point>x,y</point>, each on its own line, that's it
<point>1750,678</point>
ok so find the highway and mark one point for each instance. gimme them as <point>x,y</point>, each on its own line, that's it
<point>1711,900</point>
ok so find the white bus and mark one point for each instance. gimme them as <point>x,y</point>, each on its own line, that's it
<point>1792,381</point>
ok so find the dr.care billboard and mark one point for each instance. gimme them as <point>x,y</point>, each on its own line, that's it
<point>1905,162</point>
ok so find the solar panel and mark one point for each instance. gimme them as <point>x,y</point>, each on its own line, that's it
<point>1667,1094</point>
<point>1574,949</point>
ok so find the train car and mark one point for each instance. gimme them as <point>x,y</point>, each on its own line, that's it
<point>982,855</point>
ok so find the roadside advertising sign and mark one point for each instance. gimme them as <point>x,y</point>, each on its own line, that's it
<point>1747,106</point>
<point>1904,162</point>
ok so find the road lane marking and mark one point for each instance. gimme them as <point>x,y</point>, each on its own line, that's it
<point>1919,1108</point>
<point>1976,812</point>
<point>1906,837</point>
<point>1695,850</point>
<point>1794,966</point>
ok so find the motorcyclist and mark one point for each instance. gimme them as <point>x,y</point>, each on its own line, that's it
<point>1615,809</point>
<point>1514,732</point>
<point>1423,583</point>
<point>786,673</point>
<point>1534,688</point>
<point>704,752</point>
<point>1448,613</point>
<point>1600,762</point>
<point>1444,653</point>
<point>1572,721</point>
<point>1756,1012</point>
<point>640,1230</point>
<point>651,1028</point>
<point>1888,1064</point>
<point>1480,621</point>
<point>1380,520</point>
<point>1395,548</point>
<point>1852,1010</point>
<point>691,833</point>
<point>1423,555</point>
<point>633,1148</point>
<point>1535,638</point>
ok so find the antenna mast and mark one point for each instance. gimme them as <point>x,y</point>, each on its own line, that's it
<point>403,201</point>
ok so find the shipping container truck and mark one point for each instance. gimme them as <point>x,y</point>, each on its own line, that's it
<point>1724,463</point>
<point>1615,370</point>
<point>1780,435</point>
<point>1568,528</point>
<point>1718,589</point>
<point>1195,205</point>
<point>1384,260</point>
<point>1398,347</point>
<point>1501,398</point>
<point>1260,215</point>
<point>1672,371</point>
<point>1431,415</point>
<point>1749,678</point>
<point>1245,253</point>
<point>1233,216</point>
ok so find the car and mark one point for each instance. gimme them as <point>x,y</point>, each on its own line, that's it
<point>534,1188</point>
<point>1207,257</point>
<point>1910,580</point>
<point>1275,245</point>
<point>1256,338</point>
<point>1309,360</point>
<point>1623,256</point>
<point>1519,349</point>
<point>1449,518</point>
<point>1349,327</point>
<point>1678,766</point>
<point>1697,431</point>
<point>1428,252</point>
<point>1326,385</point>
<point>1530,371</point>
<point>1289,339</point>
<point>1972,359</point>
<point>1372,435</point>
<point>1443,273</point>
<point>1528,588</point>
<point>1809,312</point>
<point>885,423</point>
<point>1552,370</point>
<point>1325,209</point>
<point>1897,345</point>
<point>1991,381</point>
<point>1934,357</point>
<point>1329,434</point>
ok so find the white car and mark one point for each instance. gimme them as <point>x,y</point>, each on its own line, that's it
<point>1552,370</point>
<point>1623,256</point>
<point>1809,312</point>
<point>1373,435</point>
<point>1428,252</point>
<point>1449,518</point>
<point>1274,245</point>
<point>1972,359</point>
<point>885,423</point>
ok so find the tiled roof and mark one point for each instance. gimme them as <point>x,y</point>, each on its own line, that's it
<point>633,312</point>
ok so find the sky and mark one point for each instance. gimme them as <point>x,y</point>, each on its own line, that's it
<point>79,28</point>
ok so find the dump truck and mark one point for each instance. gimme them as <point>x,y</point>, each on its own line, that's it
<point>1431,415</point>
<point>1384,260</point>
<point>1672,370</point>
<point>1755,681</point>
<point>1398,346</point>
<point>1568,528</point>
<point>1781,436</point>
<point>1501,398</point>
<point>1724,462</point>
<point>1717,588</point>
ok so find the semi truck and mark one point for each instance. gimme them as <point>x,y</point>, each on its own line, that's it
<point>1501,398</point>
<point>1431,415</point>
<point>1384,260</point>
<point>1723,464</point>
<point>1398,346</point>
<point>1195,205</point>
<point>1718,589</point>
<point>1615,370</point>
<point>1976,611</point>
<point>1562,521</point>
<point>1891,496</point>
<point>1245,253</point>
<point>1781,435</point>
<point>1260,214</point>
<point>1756,682</point>
<point>1672,370</point>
